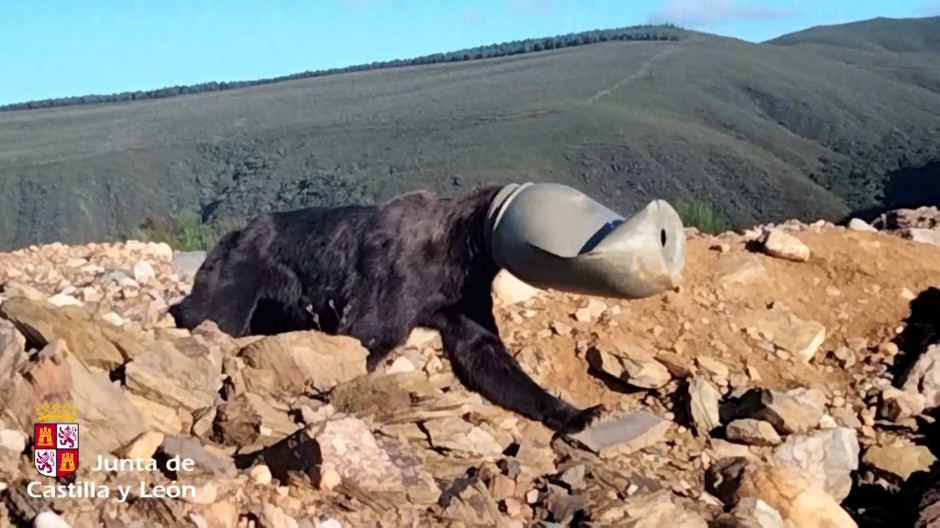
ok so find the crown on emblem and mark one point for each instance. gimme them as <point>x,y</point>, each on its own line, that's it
<point>52,411</point>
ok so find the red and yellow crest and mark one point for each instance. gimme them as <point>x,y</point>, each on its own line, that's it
<point>55,451</point>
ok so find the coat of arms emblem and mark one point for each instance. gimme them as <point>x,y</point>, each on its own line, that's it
<point>55,451</point>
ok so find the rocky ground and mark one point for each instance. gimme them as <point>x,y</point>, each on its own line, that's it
<point>790,381</point>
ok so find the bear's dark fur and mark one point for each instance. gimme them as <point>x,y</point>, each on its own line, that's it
<point>375,272</point>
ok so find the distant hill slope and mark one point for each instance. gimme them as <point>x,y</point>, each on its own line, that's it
<point>909,35</point>
<point>760,131</point>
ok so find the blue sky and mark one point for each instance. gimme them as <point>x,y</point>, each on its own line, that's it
<point>76,47</point>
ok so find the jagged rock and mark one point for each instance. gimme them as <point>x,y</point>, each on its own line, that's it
<point>510,290</point>
<point>786,330</point>
<point>349,445</point>
<point>222,514</point>
<point>55,375</point>
<point>799,502</point>
<point>740,268</point>
<point>247,420</point>
<point>857,224</point>
<point>41,322</point>
<point>48,519</point>
<point>703,400</point>
<point>208,462</point>
<point>274,517</point>
<point>305,358</point>
<point>658,510</point>
<point>751,512</point>
<point>781,245</point>
<point>590,310</point>
<point>144,446</point>
<point>623,434</point>
<point>472,505</point>
<point>455,434</point>
<point>924,377</point>
<point>712,366</point>
<point>896,405</point>
<point>156,417</point>
<point>752,432</point>
<point>143,272</point>
<point>165,375</point>
<point>632,366</point>
<point>899,460</point>
<point>924,236</point>
<point>786,413</point>
<point>826,457</point>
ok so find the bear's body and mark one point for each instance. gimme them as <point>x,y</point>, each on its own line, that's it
<point>375,272</point>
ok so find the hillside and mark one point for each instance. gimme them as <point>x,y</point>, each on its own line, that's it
<point>759,131</point>
<point>790,388</point>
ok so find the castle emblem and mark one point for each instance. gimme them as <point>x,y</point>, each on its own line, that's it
<point>55,452</point>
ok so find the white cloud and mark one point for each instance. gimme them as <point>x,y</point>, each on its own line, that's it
<point>692,13</point>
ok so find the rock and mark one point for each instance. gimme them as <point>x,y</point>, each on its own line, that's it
<point>751,512</point>
<point>305,358</point>
<point>896,405</point>
<point>166,376</point>
<point>799,502</point>
<point>208,462</point>
<point>739,268</point>
<point>900,460</point>
<point>846,418</point>
<point>61,299</point>
<point>48,519</point>
<point>845,355</point>
<point>56,376</point>
<point>248,419</point>
<point>703,400</point>
<point>781,245</point>
<point>143,272</point>
<point>623,434</point>
<point>714,367</point>
<point>401,364</point>
<point>510,290</point>
<point>464,438</point>
<point>923,377</point>
<point>658,510</point>
<point>857,224</point>
<point>274,517</point>
<point>752,432</point>
<point>924,236</point>
<point>329,478</point>
<point>784,329</point>
<point>144,446</point>
<point>632,366</point>
<point>472,505</point>
<point>786,413</point>
<point>590,310</point>
<point>826,457</point>
<point>222,514</point>
<point>41,322</point>
<point>261,474</point>
<point>349,445</point>
<point>156,417</point>
<point>188,262</point>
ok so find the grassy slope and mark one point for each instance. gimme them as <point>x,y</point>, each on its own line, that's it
<point>761,131</point>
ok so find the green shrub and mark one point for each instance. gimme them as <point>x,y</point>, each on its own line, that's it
<point>699,214</point>
<point>184,233</point>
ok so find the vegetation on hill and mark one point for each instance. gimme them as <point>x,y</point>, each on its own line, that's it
<point>516,47</point>
<point>759,132</point>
